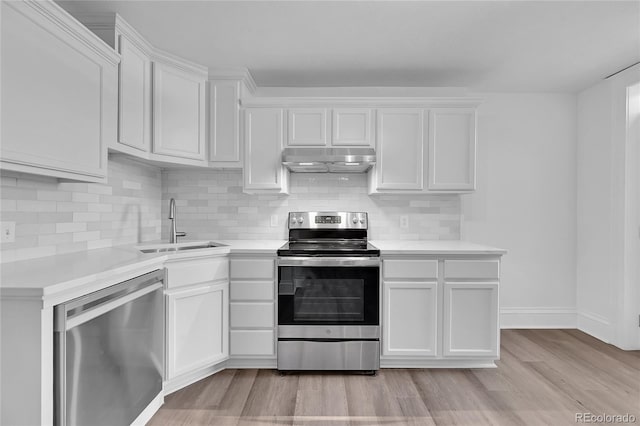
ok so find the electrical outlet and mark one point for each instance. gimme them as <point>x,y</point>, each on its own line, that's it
<point>8,232</point>
<point>274,220</point>
<point>404,221</point>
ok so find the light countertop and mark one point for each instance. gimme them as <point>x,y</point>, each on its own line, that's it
<point>55,279</point>
<point>434,247</point>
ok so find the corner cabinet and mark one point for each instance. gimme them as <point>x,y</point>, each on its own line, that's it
<point>161,98</point>
<point>178,109</point>
<point>263,143</point>
<point>440,311</point>
<point>197,318</point>
<point>59,94</point>
<point>224,123</point>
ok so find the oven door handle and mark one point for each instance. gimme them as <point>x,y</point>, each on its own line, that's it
<point>329,261</point>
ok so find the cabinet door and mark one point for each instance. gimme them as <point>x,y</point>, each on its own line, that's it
<point>134,113</point>
<point>471,326</point>
<point>410,319</point>
<point>351,127</point>
<point>452,149</point>
<point>224,112</point>
<point>197,328</point>
<point>263,136</point>
<point>178,112</point>
<point>307,127</point>
<point>59,94</point>
<point>400,139</point>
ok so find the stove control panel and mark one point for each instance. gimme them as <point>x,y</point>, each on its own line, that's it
<point>328,220</point>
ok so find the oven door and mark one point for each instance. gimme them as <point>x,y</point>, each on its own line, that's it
<point>328,291</point>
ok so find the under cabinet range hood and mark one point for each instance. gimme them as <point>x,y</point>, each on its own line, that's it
<point>328,160</point>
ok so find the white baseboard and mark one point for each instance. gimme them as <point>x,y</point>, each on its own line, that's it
<point>595,325</point>
<point>269,363</point>
<point>437,363</point>
<point>184,380</point>
<point>538,318</point>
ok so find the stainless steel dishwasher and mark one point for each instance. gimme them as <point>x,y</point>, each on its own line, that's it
<point>109,353</point>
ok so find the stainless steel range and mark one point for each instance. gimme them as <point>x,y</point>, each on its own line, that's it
<point>328,294</point>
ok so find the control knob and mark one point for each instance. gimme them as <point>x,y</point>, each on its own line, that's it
<point>354,220</point>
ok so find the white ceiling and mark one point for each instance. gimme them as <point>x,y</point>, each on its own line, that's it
<point>483,45</point>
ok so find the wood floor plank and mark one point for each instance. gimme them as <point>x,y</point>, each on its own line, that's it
<point>544,377</point>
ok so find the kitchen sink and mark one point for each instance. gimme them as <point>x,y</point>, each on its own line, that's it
<point>181,248</point>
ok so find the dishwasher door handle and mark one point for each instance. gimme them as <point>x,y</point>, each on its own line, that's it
<point>108,305</point>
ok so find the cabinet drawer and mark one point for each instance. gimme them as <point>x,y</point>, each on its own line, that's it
<point>252,290</point>
<point>197,271</point>
<point>489,269</point>
<point>252,268</point>
<point>252,342</point>
<point>419,269</point>
<point>251,315</point>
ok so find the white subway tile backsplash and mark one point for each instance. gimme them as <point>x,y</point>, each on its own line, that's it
<point>60,217</point>
<point>230,214</point>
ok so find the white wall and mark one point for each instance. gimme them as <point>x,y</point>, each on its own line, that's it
<point>608,188</point>
<point>526,203</point>
<point>595,296</point>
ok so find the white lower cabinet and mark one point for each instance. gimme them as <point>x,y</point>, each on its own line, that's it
<point>410,319</point>
<point>440,312</point>
<point>197,328</point>
<point>197,318</point>
<point>252,318</point>
<point>470,327</point>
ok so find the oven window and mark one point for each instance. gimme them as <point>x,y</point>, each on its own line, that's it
<point>328,295</point>
<point>328,300</point>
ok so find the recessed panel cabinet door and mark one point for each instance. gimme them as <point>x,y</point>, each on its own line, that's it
<point>351,127</point>
<point>197,328</point>
<point>224,121</point>
<point>400,140</point>
<point>307,127</point>
<point>59,94</point>
<point>410,319</point>
<point>178,112</point>
<point>134,114</point>
<point>452,149</point>
<point>471,319</point>
<point>263,136</point>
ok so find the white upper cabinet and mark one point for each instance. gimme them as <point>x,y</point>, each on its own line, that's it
<point>320,127</point>
<point>59,94</point>
<point>162,98</point>
<point>352,127</point>
<point>134,106</point>
<point>178,111</point>
<point>307,127</point>
<point>263,143</point>
<point>452,149</point>
<point>224,123</point>
<point>400,136</point>
<point>425,150</point>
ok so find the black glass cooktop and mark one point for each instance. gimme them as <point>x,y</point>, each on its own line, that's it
<point>328,248</point>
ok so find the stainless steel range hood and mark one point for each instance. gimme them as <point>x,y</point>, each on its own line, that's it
<point>328,160</point>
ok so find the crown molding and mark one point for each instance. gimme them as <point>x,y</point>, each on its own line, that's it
<point>242,74</point>
<point>70,25</point>
<point>180,63</point>
<point>395,102</point>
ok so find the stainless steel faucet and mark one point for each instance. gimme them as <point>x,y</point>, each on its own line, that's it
<point>173,234</point>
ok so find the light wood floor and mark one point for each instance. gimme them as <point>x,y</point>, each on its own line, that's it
<point>544,377</point>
